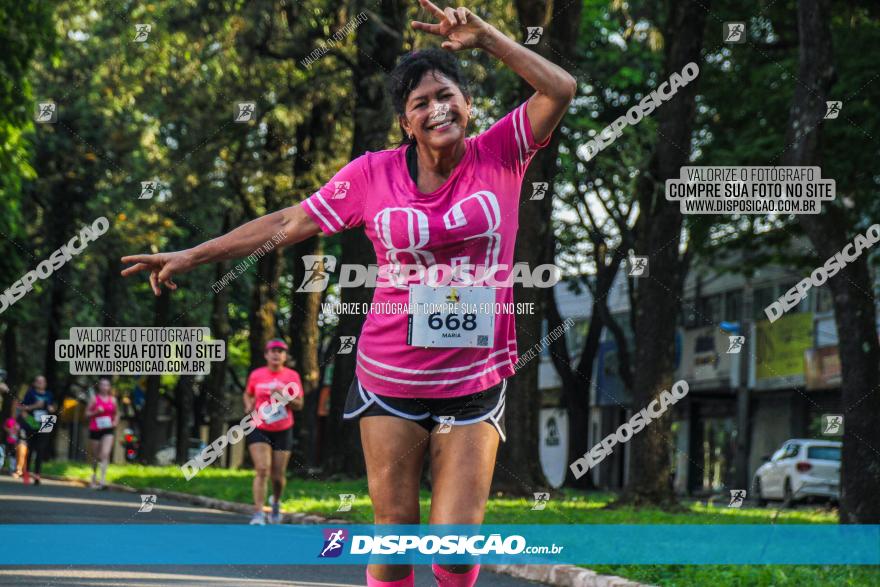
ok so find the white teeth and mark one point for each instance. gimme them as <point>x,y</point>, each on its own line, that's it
<point>444,125</point>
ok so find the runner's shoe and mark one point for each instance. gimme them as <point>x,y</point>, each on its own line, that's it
<point>275,517</point>
<point>258,519</point>
<point>26,477</point>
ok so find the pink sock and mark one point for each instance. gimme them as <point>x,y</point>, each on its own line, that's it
<point>445,578</point>
<point>405,582</point>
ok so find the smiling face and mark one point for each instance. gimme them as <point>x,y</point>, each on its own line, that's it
<point>436,112</point>
<point>275,358</point>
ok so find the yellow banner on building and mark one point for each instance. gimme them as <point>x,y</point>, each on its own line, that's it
<point>781,345</point>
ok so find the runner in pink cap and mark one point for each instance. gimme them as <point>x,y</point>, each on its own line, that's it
<point>270,441</point>
<point>103,415</point>
<point>427,379</point>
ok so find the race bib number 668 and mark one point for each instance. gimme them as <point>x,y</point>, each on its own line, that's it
<point>451,316</point>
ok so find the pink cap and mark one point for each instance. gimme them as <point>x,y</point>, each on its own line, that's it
<point>276,343</point>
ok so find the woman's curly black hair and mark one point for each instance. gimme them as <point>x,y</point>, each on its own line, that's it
<point>410,70</point>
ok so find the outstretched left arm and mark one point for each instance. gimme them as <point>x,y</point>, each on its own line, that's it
<point>554,87</point>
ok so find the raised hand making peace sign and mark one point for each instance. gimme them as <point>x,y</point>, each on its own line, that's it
<point>462,28</point>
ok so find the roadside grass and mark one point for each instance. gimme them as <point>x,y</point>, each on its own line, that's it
<point>314,496</point>
<point>747,575</point>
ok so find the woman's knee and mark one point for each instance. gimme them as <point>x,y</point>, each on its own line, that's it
<point>261,471</point>
<point>395,514</point>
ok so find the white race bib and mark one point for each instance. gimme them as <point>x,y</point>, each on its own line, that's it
<point>451,316</point>
<point>278,414</point>
<point>104,422</point>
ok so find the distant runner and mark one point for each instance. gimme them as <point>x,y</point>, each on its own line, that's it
<point>103,415</point>
<point>269,443</point>
<point>36,408</point>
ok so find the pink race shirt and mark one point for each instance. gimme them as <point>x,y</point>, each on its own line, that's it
<point>10,430</point>
<point>104,419</point>
<point>471,219</point>
<point>261,384</point>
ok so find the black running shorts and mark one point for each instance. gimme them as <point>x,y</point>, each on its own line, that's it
<point>486,405</point>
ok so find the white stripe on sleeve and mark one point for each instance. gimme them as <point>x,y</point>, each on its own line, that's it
<point>330,210</point>
<point>519,146</point>
<point>308,203</point>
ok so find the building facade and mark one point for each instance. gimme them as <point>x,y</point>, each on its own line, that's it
<point>744,401</point>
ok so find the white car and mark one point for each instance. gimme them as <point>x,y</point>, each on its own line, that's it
<point>801,468</point>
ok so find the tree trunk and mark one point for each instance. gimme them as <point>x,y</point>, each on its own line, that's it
<point>312,139</point>
<point>852,288</point>
<point>575,385</point>
<point>305,336</point>
<point>658,235</point>
<point>215,384</point>
<point>264,304</point>
<point>57,298</point>
<point>379,45</point>
<point>519,466</point>
<point>304,331</point>
<point>150,431</point>
<point>112,291</point>
<point>183,404</point>
<point>10,362</point>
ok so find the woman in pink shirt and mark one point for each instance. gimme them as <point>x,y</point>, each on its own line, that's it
<point>103,416</point>
<point>270,441</point>
<point>432,378</point>
<point>10,432</point>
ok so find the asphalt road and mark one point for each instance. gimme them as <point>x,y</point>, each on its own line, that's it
<point>54,502</point>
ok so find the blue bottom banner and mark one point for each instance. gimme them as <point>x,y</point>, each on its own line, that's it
<point>210,544</point>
